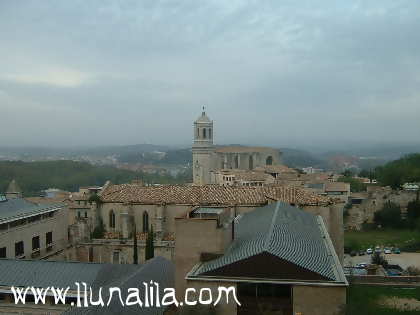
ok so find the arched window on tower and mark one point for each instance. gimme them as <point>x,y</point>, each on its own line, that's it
<point>204,133</point>
<point>251,163</point>
<point>236,162</point>
<point>145,222</point>
<point>210,133</point>
<point>269,160</point>
<point>112,219</point>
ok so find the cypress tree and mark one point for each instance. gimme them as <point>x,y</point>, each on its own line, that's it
<point>150,247</point>
<point>135,253</point>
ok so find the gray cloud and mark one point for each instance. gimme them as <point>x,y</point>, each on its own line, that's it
<point>270,72</point>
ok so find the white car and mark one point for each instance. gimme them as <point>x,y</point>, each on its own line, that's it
<point>369,251</point>
<point>387,251</point>
<point>362,265</point>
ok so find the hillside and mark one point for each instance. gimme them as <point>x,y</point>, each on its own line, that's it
<point>69,175</point>
<point>398,172</point>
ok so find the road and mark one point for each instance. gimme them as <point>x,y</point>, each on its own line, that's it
<point>404,259</point>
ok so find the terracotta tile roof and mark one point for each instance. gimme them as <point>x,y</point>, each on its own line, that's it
<point>210,195</point>
<point>243,149</point>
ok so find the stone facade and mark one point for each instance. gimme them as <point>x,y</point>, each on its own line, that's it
<point>207,158</point>
<point>124,205</point>
<point>365,204</point>
<point>28,228</point>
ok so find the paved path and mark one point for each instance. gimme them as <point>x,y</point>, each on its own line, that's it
<point>404,259</point>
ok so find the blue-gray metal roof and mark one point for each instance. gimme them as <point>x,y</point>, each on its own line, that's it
<point>16,208</point>
<point>158,270</point>
<point>42,274</point>
<point>286,232</point>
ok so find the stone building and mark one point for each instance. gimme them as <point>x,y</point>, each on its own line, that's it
<point>122,206</point>
<point>207,157</point>
<point>279,258</point>
<point>31,230</point>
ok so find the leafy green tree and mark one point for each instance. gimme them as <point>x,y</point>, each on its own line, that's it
<point>135,249</point>
<point>355,184</point>
<point>99,230</point>
<point>378,259</point>
<point>413,213</point>
<point>389,216</point>
<point>150,247</point>
<point>398,172</point>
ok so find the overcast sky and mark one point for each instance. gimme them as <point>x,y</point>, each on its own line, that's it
<point>269,72</point>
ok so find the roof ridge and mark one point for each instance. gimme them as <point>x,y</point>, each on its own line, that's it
<point>271,229</point>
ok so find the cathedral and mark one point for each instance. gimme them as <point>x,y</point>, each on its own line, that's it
<point>208,158</point>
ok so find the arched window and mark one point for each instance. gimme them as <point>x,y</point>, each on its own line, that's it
<point>112,219</point>
<point>204,133</point>
<point>251,163</point>
<point>236,161</point>
<point>269,160</point>
<point>210,135</point>
<point>145,222</point>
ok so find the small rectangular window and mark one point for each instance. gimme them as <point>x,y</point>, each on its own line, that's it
<point>48,238</point>
<point>3,252</point>
<point>35,243</point>
<point>19,249</point>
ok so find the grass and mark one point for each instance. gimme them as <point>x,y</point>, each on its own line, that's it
<point>362,300</point>
<point>361,240</point>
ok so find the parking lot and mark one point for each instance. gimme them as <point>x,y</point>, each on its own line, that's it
<point>404,259</point>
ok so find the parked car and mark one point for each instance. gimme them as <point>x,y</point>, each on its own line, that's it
<point>353,253</point>
<point>362,265</point>
<point>397,251</point>
<point>369,251</point>
<point>387,251</point>
<point>378,249</point>
<point>362,252</point>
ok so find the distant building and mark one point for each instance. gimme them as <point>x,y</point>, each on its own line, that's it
<point>31,230</point>
<point>13,190</point>
<point>279,258</point>
<point>208,158</point>
<point>411,186</point>
<point>241,178</point>
<point>338,190</point>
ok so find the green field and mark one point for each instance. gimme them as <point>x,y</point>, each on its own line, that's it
<point>405,239</point>
<point>364,300</point>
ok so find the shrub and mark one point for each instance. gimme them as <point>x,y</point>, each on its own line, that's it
<point>378,259</point>
<point>413,271</point>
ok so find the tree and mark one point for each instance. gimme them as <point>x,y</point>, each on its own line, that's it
<point>378,259</point>
<point>150,247</point>
<point>389,215</point>
<point>347,173</point>
<point>99,230</point>
<point>398,172</point>
<point>135,249</point>
<point>355,184</point>
<point>413,213</point>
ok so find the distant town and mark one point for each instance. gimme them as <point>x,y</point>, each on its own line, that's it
<point>208,216</point>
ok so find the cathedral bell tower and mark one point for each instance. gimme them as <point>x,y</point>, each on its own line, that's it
<point>202,149</point>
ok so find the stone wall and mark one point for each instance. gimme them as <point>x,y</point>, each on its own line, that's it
<point>373,202</point>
